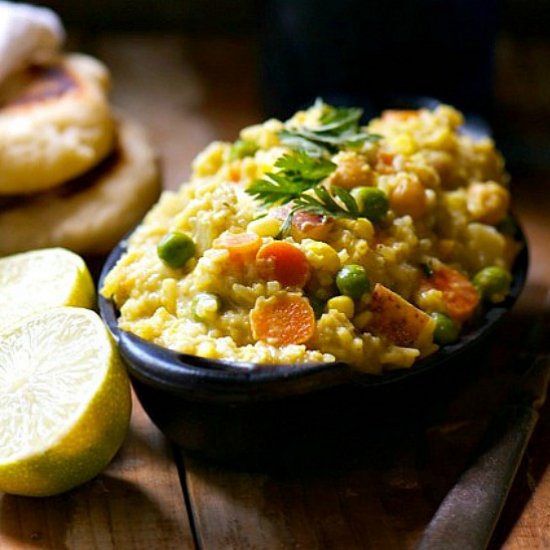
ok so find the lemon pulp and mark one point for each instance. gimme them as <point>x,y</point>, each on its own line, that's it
<point>64,400</point>
<point>32,281</point>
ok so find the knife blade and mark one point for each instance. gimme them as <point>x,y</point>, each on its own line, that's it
<point>467,516</point>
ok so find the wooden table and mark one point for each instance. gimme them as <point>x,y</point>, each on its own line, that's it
<point>189,92</point>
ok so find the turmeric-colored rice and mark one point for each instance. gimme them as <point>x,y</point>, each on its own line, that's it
<point>448,207</point>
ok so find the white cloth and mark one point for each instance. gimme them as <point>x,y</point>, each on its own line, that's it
<point>28,34</point>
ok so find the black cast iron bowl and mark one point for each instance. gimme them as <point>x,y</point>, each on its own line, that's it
<point>254,414</point>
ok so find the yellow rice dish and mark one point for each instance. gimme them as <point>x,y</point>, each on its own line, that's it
<point>318,239</point>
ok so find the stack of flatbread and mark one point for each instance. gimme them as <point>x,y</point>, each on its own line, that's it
<point>72,173</point>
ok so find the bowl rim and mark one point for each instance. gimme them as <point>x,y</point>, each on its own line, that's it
<point>202,378</point>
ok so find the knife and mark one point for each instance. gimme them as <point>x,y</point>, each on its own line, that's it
<point>466,518</point>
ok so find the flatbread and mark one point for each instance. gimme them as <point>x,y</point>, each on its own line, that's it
<point>55,123</point>
<point>89,214</point>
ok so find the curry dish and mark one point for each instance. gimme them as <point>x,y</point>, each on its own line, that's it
<point>319,239</point>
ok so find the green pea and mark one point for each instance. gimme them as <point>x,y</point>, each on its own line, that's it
<point>446,330</point>
<point>205,306</point>
<point>317,305</point>
<point>373,202</point>
<point>242,148</point>
<point>493,283</point>
<point>176,249</point>
<point>352,281</point>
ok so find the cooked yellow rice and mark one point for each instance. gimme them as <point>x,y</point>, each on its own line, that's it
<point>463,197</point>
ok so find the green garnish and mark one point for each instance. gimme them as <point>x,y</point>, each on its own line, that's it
<point>324,203</point>
<point>339,127</point>
<point>298,180</point>
<point>297,173</point>
<point>300,172</point>
<point>300,166</point>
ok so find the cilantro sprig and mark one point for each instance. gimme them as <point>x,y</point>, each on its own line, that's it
<point>297,173</point>
<point>298,181</point>
<point>338,127</point>
<point>322,203</point>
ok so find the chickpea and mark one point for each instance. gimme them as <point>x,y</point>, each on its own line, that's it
<point>353,170</point>
<point>442,163</point>
<point>409,197</point>
<point>488,202</point>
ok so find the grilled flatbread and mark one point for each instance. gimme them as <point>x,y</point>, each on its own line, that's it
<point>55,123</point>
<point>91,213</point>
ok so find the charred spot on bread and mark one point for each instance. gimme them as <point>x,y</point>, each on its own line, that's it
<point>41,84</point>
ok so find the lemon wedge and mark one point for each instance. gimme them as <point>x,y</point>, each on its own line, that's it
<point>35,280</point>
<point>64,401</point>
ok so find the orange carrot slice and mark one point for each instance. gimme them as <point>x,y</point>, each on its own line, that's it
<point>459,294</point>
<point>242,247</point>
<point>282,261</point>
<point>283,319</point>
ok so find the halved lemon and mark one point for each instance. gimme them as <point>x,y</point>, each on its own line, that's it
<point>64,401</point>
<point>35,280</point>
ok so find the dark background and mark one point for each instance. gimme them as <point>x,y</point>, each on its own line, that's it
<point>522,17</point>
<point>487,57</point>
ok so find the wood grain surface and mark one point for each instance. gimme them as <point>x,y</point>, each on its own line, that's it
<point>136,503</point>
<point>189,91</point>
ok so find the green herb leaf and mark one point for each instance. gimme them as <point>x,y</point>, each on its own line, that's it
<point>339,127</point>
<point>345,196</point>
<point>338,119</point>
<point>324,203</point>
<point>276,190</point>
<point>297,173</point>
<point>300,173</point>
<point>299,142</point>
<point>301,166</point>
<point>326,199</point>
